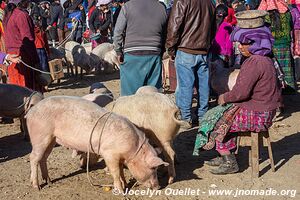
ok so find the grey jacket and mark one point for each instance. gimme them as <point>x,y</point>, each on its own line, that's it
<point>140,26</point>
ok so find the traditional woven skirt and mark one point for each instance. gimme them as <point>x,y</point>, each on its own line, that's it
<point>296,42</point>
<point>283,54</point>
<point>245,121</point>
<point>222,133</point>
<point>254,121</point>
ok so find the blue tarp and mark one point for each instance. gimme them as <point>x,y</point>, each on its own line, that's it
<point>76,15</point>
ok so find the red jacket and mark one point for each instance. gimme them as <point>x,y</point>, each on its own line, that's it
<point>231,18</point>
<point>41,40</point>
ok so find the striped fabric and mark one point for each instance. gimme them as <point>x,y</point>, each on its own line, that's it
<point>245,121</point>
<point>279,5</point>
<point>296,42</point>
<point>254,121</point>
<point>142,48</point>
<point>283,54</point>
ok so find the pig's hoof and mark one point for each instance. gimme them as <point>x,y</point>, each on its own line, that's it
<point>171,180</point>
<point>37,187</point>
<point>49,182</point>
<point>106,170</point>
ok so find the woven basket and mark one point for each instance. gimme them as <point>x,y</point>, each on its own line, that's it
<point>251,18</point>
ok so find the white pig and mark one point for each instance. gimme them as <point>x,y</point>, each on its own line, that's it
<point>155,114</point>
<point>82,125</point>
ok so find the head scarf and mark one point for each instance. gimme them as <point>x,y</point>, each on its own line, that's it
<point>279,5</point>
<point>103,2</point>
<point>260,39</point>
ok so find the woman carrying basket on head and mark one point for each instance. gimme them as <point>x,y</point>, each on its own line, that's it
<point>249,106</point>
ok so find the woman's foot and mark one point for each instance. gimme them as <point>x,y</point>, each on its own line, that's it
<point>229,166</point>
<point>215,161</point>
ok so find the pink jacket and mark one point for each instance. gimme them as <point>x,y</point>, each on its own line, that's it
<point>222,44</point>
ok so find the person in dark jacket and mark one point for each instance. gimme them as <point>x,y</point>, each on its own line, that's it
<point>55,23</point>
<point>72,7</point>
<point>115,10</point>
<point>44,13</point>
<point>190,45</point>
<point>100,22</point>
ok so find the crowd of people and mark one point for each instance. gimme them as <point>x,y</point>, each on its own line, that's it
<point>195,34</point>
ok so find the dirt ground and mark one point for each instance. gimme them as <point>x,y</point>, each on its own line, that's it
<point>194,181</point>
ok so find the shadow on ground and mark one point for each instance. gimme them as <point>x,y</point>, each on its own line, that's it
<point>13,146</point>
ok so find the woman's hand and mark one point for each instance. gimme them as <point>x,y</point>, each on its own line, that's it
<point>13,58</point>
<point>221,100</point>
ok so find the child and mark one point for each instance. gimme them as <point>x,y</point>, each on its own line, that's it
<point>41,44</point>
<point>222,48</point>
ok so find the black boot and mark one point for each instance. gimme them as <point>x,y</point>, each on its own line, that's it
<point>6,120</point>
<point>229,166</point>
<point>215,161</point>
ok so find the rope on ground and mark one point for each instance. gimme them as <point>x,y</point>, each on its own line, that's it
<point>68,37</point>
<point>90,145</point>
<point>38,70</point>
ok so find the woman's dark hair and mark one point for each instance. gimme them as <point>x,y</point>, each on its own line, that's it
<point>221,13</point>
<point>226,3</point>
<point>275,19</point>
<point>8,12</point>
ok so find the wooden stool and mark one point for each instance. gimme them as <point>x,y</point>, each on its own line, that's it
<point>256,139</point>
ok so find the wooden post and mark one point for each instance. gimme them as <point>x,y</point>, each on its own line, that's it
<point>255,154</point>
<point>267,136</point>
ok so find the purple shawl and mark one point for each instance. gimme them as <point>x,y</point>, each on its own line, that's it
<point>2,57</point>
<point>261,39</point>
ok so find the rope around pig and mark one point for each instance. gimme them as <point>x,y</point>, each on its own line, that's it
<point>90,145</point>
<point>68,37</point>
<point>100,136</point>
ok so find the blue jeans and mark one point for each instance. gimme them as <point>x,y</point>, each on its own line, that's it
<point>191,71</point>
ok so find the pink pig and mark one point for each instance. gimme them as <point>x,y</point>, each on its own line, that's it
<point>82,125</point>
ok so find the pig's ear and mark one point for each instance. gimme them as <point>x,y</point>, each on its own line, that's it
<point>156,161</point>
<point>158,150</point>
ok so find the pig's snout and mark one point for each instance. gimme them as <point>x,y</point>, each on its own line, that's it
<point>152,184</point>
<point>157,187</point>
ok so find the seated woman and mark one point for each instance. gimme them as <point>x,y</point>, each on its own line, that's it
<point>249,106</point>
